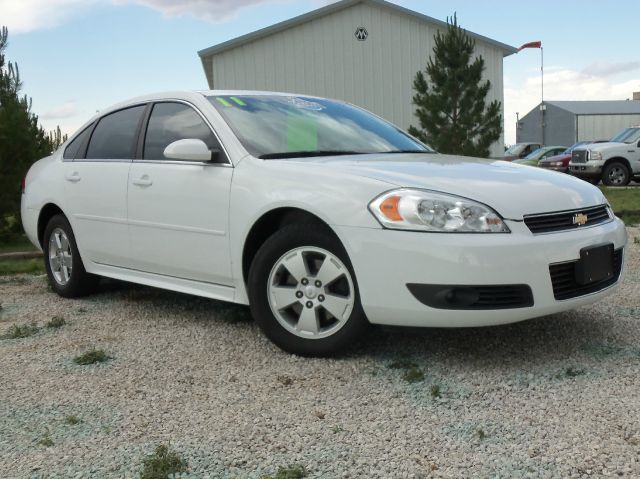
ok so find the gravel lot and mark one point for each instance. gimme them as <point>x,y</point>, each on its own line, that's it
<point>553,397</point>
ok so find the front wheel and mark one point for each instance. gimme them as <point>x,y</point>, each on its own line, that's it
<point>303,292</point>
<point>616,174</point>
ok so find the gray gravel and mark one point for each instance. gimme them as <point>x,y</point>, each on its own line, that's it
<point>553,397</point>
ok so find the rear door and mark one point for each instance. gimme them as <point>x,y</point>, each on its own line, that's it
<point>96,173</point>
<point>179,210</point>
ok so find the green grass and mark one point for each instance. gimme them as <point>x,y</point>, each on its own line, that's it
<point>435,391</point>
<point>295,471</point>
<point>413,375</point>
<point>162,463</point>
<point>92,357</point>
<point>21,266</point>
<point>20,244</point>
<point>19,332</point>
<point>625,203</point>
<point>46,440</point>
<point>72,420</point>
<point>56,322</point>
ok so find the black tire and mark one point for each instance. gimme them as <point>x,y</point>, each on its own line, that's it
<point>80,282</point>
<point>622,173</point>
<point>287,239</point>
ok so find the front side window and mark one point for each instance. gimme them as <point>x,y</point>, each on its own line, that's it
<point>73,148</point>
<point>114,136</point>
<point>277,126</point>
<point>171,122</point>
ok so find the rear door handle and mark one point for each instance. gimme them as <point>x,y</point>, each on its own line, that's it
<point>144,180</point>
<point>73,177</point>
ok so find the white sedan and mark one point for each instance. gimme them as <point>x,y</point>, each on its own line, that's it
<point>319,215</point>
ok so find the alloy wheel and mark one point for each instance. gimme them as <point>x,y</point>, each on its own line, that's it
<point>60,256</point>
<point>311,292</point>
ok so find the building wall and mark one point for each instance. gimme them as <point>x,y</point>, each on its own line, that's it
<point>603,127</point>
<point>560,127</point>
<point>322,57</point>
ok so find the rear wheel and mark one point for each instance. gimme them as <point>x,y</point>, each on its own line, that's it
<point>65,270</point>
<point>303,292</point>
<point>616,174</point>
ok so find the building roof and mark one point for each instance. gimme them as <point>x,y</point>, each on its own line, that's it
<point>207,53</point>
<point>611,107</point>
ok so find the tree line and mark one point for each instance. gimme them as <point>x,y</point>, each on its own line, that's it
<point>22,141</point>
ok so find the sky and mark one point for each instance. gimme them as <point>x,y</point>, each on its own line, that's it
<point>79,56</point>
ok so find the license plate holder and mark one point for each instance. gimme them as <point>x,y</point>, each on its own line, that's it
<point>595,264</point>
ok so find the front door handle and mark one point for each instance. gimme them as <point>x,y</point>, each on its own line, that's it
<point>73,177</point>
<point>144,180</point>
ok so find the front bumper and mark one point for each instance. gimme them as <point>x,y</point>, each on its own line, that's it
<point>585,170</point>
<point>385,261</point>
<point>561,169</point>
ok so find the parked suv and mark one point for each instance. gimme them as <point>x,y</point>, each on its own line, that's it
<point>616,162</point>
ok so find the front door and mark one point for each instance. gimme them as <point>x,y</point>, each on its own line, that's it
<point>178,210</point>
<point>96,186</point>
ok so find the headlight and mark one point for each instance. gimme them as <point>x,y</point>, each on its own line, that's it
<point>422,210</point>
<point>595,155</point>
<point>555,163</point>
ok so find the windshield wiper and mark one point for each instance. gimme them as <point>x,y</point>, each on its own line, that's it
<point>403,151</point>
<point>307,154</point>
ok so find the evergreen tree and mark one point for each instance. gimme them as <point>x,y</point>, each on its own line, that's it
<point>451,106</point>
<point>22,141</point>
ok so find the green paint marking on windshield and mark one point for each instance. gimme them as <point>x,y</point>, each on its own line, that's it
<point>223,102</point>
<point>238,101</point>
<point>302,133</point>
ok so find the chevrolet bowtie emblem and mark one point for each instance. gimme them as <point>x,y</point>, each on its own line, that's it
<point>580,219</point>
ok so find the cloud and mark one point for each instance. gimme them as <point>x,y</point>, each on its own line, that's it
<point>22,16</point>
<point>563,84</point>
<point>210,10</point>
<point>608,69</point>
<point>66,110</point>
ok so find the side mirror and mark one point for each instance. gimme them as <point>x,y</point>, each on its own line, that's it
<point>191,149</point>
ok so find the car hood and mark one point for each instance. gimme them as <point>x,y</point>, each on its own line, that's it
<point>512,190</point>
<point>562,157</point>
<point>609,145</point>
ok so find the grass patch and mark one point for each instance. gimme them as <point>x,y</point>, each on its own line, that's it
<point>435,391</point>
<point>162,463</point>
<point>92,357</point>
<point>46,440</point>
<point>625,203</point>
<point>72,420</point>
<point>337,429</point>
<point>573,372</point>
<point>56,322</point>
<point>413,375</point>
<point>402,363</point>
<point>19,332</point>
<point>295,471</point>
<point>17,245</point>
<point>481,434</point>
<point>21,266</point>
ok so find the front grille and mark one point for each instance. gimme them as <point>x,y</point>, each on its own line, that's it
<point>579,156</point>
<point>565,286</point>
<point>566,220</point>
<point>464,297</point>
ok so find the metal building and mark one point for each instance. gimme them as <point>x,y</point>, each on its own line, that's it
<point>566,122</point>
<point>366,52</point>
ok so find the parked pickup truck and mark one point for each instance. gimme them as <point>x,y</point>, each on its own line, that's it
<point>616,162</point>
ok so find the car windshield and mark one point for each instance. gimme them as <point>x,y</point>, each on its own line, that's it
<point>535,154</point>
<point>574,146</point>
<point>278,126</point>
<point>628,135</point>
<point>514,149</point>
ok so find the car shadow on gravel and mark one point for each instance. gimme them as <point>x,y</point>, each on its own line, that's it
<point>558,338</point>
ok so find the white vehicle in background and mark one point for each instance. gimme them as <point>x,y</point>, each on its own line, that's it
<point>319,215</point>
<point>615,162</point>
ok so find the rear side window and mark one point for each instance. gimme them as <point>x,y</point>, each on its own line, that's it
<point>72,149</point>
<point>115,134</point>
<point>171,122</point>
